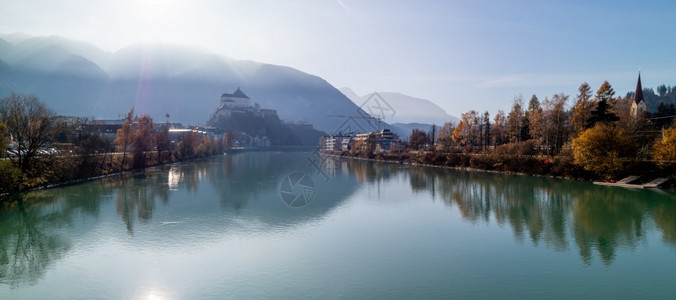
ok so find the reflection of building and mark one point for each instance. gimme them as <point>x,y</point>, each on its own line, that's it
<point>638,107</point>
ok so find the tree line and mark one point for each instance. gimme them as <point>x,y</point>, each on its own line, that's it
<point>28,127</point>
<point>599,131</point>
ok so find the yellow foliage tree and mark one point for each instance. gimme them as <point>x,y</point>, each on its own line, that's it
<point>665,148</point>
<point>600,149</point>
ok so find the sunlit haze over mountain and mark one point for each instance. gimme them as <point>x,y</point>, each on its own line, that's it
<point>459,54</point>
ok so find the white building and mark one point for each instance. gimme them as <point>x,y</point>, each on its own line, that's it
<point>330,143</point>
<point>235,100</point>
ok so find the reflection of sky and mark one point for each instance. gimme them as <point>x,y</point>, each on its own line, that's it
<point>399,232</point>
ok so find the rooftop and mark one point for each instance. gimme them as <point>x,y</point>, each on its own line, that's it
<point>237,94</point>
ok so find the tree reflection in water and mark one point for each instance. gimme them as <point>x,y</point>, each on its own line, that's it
<point>560,214</point>
<point>550,211</point>
<point>30,235</point>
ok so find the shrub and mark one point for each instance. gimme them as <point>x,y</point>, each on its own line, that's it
<point>602,149</point>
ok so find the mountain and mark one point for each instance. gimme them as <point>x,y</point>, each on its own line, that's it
<point>76,78</point>
<point>407,128</point>
<point>400,108</point>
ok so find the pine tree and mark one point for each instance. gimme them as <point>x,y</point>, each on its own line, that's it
<point>581,112</point>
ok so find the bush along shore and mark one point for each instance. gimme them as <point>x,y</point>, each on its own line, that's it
<point>74,168</point>
<point>39,149</point>
<point>560,166</point>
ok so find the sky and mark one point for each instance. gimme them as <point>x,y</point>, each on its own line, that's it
<point>460,55</point>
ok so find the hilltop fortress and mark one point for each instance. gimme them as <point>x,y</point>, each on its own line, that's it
<point>235,113</point>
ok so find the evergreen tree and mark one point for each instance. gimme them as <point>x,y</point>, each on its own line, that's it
<point>486,130</point>
<point>606,93</point>
<point>603,113</point>
<point>581,112</point>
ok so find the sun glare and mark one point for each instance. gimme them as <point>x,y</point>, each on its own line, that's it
<point>156,20</point>
<point>156,10</point>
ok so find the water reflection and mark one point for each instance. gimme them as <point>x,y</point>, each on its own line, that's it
<point>559,214</point>
<point>30,236</point>
<point>550,211</point>
<point>135,197</point>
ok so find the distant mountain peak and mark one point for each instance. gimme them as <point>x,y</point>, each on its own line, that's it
<point>76,78</point>
<point>407,109</point>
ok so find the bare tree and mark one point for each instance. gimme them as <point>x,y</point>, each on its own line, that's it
<point>418,139</point>
<point>445,136</point>
<point>29,123</point>
<point>144,140</point>
<point>555,126</point>
<point>163,142</point>
<point>124,136</point>
<point>433,134</point>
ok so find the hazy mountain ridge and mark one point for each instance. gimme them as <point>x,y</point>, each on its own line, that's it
<point>408,128</point>
<point>75,78</point>
<point>407,109</point>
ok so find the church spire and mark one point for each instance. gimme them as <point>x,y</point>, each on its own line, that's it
<point>638,95</point>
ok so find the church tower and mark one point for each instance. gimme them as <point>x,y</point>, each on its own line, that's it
<point>638,107</point>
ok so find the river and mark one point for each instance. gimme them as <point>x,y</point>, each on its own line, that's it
<point>290,225</point>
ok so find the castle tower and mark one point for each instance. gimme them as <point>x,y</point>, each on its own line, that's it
<point>235,100</point>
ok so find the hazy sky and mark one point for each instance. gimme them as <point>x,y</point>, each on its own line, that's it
<point>460,54</point>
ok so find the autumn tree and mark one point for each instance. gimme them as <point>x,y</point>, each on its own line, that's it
<point>554,124</point>
<point>602,148</point>
<point>581,112</point>
<point>499,131</point>
<point>606,93</point>
<point>467,133</point>
<point>445,136</point>
<point>30,123</point>
<point>163,142</point>
<point>535,117</point>
<point>144,140</point>
<point>418,139</point>
<point>188,144</point>
<point>533,109</point>
<point>125,136</point>
<point>515,120</point>
<point>665,147</point>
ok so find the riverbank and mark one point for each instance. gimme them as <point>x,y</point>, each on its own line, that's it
<point>103,166</point>
<point>74,169</point>
<point>560,166</point>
